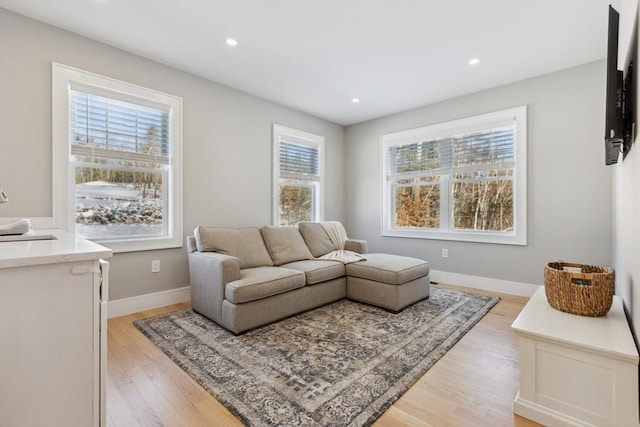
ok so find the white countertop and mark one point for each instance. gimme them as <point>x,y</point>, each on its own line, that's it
<point>65,248</point>
<point>608,334</point>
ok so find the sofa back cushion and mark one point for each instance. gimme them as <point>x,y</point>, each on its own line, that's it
<point>316,238</point>
<point>285,244</point>
<point>243,243</point>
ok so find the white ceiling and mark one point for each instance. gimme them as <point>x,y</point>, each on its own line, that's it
<point>316,55</point>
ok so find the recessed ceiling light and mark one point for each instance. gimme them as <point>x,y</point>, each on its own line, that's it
<point>474,61</point>
<point>355,100</point>
<point>231,42</point>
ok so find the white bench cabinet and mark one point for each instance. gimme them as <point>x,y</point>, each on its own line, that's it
<point>576,370</point>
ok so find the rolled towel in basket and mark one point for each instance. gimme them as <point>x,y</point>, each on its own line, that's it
<point>22,226</point>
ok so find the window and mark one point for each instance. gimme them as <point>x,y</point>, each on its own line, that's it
<point>461,180</point>
<point>117,161</point>
<point>298,165</point>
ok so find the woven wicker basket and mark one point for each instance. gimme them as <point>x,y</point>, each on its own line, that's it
<point>589,293</point>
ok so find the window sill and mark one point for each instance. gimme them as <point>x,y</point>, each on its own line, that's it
<point>138,245</point>
<point>476,237</point>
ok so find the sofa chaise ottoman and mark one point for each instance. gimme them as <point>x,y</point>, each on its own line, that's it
<point>243,278</point>
<point>389,281</point>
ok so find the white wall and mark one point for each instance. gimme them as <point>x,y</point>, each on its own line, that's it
<point>569,187</point>
<point>227,143</point>
<point>626,189</point>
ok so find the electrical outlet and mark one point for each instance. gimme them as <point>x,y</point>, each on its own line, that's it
<point>155,266</point>
<point>445,253</point>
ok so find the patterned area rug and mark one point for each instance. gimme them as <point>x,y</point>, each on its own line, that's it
<point>342,364</point>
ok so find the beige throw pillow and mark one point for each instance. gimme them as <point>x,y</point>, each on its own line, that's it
<point>316,238</point>
<point>243,243</point>
<point>285,244</point>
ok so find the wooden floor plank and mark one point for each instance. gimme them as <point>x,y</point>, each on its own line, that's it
<point>474,383</point>
<point>119,413</point>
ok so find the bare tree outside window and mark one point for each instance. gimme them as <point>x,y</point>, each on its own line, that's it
<point>295,204</point>
<point>483,205</point>
<point>418,206</point>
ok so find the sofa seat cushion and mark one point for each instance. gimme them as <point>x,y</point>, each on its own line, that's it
<point>285,244</point>
<point>390,269</point>
<point>318,271</point>
<point>243,243</point>
<point>262,282</point>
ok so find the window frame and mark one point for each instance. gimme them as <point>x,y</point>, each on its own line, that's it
<point>306,138</point>
<point>64,78</point>
<point>518,236</point>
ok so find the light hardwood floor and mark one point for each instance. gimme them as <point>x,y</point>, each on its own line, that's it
<point>473,384</point>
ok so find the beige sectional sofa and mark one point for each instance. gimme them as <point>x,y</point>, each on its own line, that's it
<point>242,278</point>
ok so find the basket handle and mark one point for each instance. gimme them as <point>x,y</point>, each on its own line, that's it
<point>580,276</point>
<point>580,279</point>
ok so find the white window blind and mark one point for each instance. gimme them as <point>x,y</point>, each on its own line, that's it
<point>111,128</point>
<point>299,161</point>
<point>484,150</point>
<point>472,152</point>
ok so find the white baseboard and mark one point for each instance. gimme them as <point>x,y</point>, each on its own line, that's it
<point>545,416</point>
<point>122,307</point>
<point>484,283</point>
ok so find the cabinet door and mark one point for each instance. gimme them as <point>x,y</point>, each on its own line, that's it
<point>47,345</point>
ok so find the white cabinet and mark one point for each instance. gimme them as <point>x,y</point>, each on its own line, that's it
<point>576,370</point>
<point>52,332</point>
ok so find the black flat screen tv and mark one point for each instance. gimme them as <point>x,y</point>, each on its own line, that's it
<point>614,119</point>
<point>620,103</point>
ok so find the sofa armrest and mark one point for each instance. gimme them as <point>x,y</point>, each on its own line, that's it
<point>356,245</point>
<point>209,272</point>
